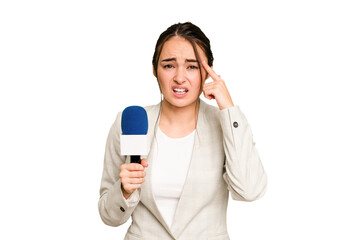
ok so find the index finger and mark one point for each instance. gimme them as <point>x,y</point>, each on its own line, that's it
<point>212,73</point>
<point>135,167</point>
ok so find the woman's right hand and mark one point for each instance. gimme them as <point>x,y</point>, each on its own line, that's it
<point>132,175</point>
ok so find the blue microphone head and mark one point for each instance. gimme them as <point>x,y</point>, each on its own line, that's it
<point>134,121</point>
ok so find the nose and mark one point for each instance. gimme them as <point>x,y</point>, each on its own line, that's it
<point>179,76</point>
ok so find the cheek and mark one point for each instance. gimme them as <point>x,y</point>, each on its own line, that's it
<point>163,79</point>
<point>195,78</point>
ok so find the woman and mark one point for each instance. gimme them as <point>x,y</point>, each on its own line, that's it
<point>199,153</point>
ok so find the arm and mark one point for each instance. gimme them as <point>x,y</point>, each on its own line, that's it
<point>243,173</point>
<point>114,209</point>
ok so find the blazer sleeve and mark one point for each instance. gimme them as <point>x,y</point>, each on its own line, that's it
<point>114,209</point>
<point>243,170</point>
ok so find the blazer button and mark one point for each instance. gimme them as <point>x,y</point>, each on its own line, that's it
<point>235,124</point>
<point>122,209</point>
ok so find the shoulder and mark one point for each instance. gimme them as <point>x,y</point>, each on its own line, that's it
<point>208,115</point>
<point>208,110</point>
<point>152,108</point>
<point>152,112</point>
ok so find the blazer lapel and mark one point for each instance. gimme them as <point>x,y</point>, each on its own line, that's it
<point>186,205</point>
<point>147,197</point>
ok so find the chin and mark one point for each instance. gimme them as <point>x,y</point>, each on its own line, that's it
<point>180,103</point>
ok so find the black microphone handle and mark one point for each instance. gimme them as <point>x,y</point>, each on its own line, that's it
<point>135,159</point>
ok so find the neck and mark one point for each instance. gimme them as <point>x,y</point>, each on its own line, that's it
<point>172,115</point>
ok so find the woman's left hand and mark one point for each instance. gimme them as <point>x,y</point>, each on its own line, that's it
<point>216,89</point>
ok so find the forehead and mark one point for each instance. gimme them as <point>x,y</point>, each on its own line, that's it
<point>180,48</point>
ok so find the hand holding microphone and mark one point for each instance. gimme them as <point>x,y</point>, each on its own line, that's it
<point>133,142</point>
<point>132,175</point>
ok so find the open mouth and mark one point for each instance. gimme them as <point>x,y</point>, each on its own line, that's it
<point>180,90</point>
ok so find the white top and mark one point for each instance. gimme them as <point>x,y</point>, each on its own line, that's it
<point>169,171</point>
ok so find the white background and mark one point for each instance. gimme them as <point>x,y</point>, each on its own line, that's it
<point>67,67</point>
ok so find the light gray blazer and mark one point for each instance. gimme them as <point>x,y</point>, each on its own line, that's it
<point>224,160</point>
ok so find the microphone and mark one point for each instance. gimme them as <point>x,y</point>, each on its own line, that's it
<point>134,125</point>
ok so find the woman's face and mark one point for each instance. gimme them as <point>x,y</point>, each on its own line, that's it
<point>178,72</point>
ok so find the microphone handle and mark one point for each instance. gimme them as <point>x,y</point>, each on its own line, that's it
<point>135,159</point>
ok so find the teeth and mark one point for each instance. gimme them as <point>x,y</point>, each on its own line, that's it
<point>180,90</point>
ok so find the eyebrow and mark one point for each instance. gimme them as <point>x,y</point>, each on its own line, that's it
<point>174,59</point>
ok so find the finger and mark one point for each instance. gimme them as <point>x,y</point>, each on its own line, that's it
<point>209,85</point>
<point>135,167</point>
<point>144,163</point>
<point>209,97</point>
<point>131,167</point>
<point>136,174</point>
<point>132,187</point>
<point>136,180</point>
<point>210,71</point>
<point>208,93</point>
<point>217,86</point>
<point>210,88</point>
<point>129,182</point>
